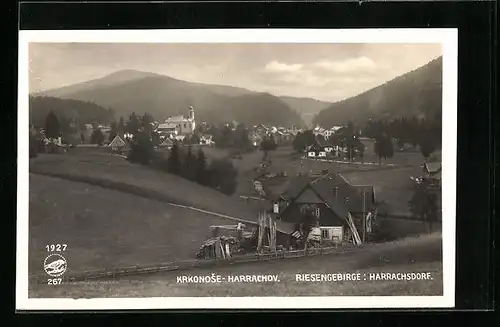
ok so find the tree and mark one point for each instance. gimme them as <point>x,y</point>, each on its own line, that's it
<point>200,168</point>
<point>188,165</point>
<point>133,124</point>
<point>428,143</point>
<point>147,123</point>
<point>268,144</point>
<point>97,137</point>
<point>241,138</point>
<point>424,202</point>
<point>174,162</point>
<point>113,132</point>
<point>223,176</point>
<point>298,142</point>
<point>52,126</point>
<point>121,126</point>
<point>155,139</point>
<point>141,149</point>
<point>384,148</point>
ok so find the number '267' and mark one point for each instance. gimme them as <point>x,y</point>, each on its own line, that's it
<point>56,247</point>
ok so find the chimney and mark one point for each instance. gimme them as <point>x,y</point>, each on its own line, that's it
<point>336,194</point>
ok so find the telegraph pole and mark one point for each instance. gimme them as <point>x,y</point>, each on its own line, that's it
<point>363,220</point>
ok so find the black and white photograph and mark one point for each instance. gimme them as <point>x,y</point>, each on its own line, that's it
<point>236,169</point>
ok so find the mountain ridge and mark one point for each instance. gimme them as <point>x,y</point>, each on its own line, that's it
<point>416,93</point>
<point>130,91</point>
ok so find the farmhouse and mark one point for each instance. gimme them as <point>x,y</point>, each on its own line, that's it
<point>316,151</point>
<point>338,206</point>
<point>118,144</point>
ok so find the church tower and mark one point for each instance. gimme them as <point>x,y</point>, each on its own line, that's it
<point>191,112</point>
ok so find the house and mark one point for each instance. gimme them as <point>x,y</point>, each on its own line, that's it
<point>261,129</point>
<point>118,144</point>
<point>318,130</point>
<point>432,171</point>
<point>179,138</point>
<point>206,139</point>
<point>183,125</point>
<point>316,151</point>
<point>167,129</point>
<point>338,206</point>
<point>167,143</point>
<point>255,138</point>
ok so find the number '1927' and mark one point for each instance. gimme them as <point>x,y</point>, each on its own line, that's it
<point>56,247</point>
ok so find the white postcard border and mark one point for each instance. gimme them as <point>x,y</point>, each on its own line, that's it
<point>447,37</point>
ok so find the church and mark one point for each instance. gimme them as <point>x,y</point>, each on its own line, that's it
<point>179,125</point>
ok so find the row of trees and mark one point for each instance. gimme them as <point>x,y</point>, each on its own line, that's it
<point>219,174</point>
<point>424,133</point>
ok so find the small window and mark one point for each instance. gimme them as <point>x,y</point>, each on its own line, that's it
<point>324,234</point>
<point>185,125</point>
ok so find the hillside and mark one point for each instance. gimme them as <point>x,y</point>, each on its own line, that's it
<point>307,108</point>
<point>257,108</point>
<point>162,96</point>
<point>417,93</point>
<point>66,109</point>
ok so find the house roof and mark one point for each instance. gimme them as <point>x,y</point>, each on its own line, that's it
<point>315,147</point>
<point>166,126</point>
<point>176,118</point>
<point>334,191</point>
<point>432,167</point>
<point>167,141</point>
<point>117,142</point>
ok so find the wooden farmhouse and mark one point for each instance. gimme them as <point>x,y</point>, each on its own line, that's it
<point>339,208</point>
<point>118,144</point>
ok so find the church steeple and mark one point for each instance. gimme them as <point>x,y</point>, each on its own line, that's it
<point>191,112</point>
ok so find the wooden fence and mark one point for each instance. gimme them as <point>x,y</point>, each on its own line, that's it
<point>202,263</point>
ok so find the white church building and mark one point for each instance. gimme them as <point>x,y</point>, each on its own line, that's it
<point>178,125</point>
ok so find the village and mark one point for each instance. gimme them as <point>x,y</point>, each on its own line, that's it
<point>318,194</point>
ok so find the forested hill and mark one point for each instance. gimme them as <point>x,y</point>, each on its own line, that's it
<point>67,109</point>
<point>163,96</point>
<point>414,94</point>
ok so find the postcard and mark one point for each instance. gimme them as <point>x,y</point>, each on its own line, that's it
<point>236,169</point>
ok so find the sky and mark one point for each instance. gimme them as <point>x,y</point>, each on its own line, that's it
<point>328,72</point>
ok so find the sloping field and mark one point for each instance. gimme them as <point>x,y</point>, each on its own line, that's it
<point>112,171</point>
<point>104,228</point>
<point>407,256</point>
<point>392,186</point>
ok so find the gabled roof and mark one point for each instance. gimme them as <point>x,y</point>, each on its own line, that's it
<point>117,142</point>
<point>334,191</point>
<point>167,141</point>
